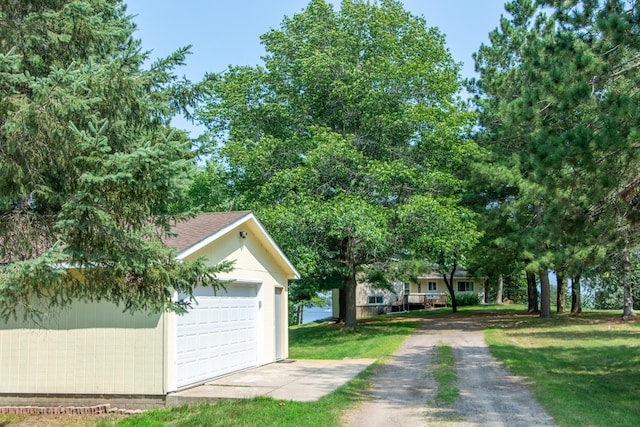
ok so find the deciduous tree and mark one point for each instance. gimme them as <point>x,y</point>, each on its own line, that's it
<point>353,115</point>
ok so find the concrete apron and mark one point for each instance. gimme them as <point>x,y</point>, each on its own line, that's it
<point>297,380</point>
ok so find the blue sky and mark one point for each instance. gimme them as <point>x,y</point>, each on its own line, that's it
<point>226,32</point>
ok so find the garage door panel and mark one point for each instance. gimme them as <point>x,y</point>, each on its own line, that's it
<point>218,335</point>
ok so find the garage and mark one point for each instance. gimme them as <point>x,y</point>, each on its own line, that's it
<point>96,349</point>
<point>218,335</point>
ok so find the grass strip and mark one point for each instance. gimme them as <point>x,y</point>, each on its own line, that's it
<point>444,373</point>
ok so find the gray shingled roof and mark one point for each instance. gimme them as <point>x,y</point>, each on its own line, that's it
<point>458,274</point>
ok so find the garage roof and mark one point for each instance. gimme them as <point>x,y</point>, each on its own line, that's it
<point>203,229</point>
<point>196,229</point>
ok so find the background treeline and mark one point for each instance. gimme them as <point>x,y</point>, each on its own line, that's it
<point>351,142</point>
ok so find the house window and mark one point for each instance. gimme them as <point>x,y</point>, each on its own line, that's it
<point>465,286</point>
<point>433,286</point>
<point>419,288</point>
<point>374,300</point>
<point>407,288</point>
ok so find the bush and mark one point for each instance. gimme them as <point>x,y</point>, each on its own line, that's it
<point>467,299</point>
<point>608,299</point>
<point>612,298</point>
<point>515,288</point>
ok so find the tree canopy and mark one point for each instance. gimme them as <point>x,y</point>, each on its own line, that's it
<point>558,99</point>
<point>89,163</point>
<point>353,115</point>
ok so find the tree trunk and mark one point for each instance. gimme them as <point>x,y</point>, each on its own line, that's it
<point>350,300</point>
<point>487,291</point>
<point>576,297</point>
<point>532,293</point>
<point>300,314</point>
<point>500,289</point>
<point>452,293</point>
<point>545,289</point>
<point>627,308</point>
<point>545,293</point>
<point>347,256</point>
<point>560,294</point>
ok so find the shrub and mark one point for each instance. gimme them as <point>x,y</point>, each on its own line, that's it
<point>467,299</point>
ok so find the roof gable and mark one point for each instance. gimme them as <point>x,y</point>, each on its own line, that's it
<point>205,228</point>
<point>194,230</point>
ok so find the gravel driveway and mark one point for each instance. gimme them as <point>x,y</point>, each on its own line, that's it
<point>404,391</point>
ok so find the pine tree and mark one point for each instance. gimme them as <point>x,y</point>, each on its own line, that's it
<point>574,117</point>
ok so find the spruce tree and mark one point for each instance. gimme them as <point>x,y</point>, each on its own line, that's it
<point>89,164</point>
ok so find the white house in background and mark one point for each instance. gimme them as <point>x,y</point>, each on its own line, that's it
<point>94,349</point>
<point>430,291</point>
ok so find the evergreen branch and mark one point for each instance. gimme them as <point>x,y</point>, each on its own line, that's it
<point>615,74</point>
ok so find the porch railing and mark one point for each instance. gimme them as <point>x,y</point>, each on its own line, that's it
<point>428,300</point>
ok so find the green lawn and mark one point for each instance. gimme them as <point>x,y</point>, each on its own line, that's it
<point>374,338</point>
<point>585,369</point>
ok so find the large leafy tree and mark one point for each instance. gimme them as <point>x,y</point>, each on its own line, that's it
<point>353,115</point>
<point>89,164</point>
<point>209,191</point>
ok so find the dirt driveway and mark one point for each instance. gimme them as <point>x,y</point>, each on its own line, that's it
<point>404,391</point>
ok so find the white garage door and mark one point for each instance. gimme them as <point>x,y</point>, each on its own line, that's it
<point>218,335</point>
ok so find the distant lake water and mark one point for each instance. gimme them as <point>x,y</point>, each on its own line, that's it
<point>315,313</point>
